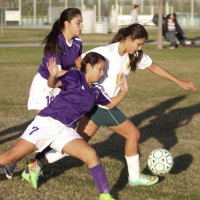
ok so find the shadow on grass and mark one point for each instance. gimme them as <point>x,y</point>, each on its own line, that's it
<point>162,126</point>
<point>181,163</point>
<point>19,129</point>
<point>163,121</point>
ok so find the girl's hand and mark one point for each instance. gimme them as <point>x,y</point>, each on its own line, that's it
<point>123,83</point>
<point>121,94</point>
<point>187,85</point>
<point>52,66</point>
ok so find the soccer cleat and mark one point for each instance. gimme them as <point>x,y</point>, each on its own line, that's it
<point>143,180</point>
<point>25,175</point>
<point>9,169</point>
<point>106,197</point>
<point>34,173</point>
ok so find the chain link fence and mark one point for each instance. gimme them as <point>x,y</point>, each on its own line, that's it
<point>101,14</point>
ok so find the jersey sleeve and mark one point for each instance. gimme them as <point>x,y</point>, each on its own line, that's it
<point>145,62</point>
<point>102,97</point>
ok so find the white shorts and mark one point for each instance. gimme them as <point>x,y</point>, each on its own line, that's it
<point>40,95</point>
<point>46,131</point>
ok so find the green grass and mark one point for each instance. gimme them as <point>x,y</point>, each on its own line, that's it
<point>167,117</point>
<point>26,35</point>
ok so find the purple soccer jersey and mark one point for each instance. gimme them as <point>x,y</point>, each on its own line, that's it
<point>75,99</point>
<point>67,57</point>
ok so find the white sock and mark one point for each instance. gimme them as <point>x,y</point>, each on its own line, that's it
<point>133,165</point>
<point>52,156</point>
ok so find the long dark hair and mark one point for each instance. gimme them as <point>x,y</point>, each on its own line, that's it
<point>136,31</point>
<point>52,45</point>
<point>92,58</point>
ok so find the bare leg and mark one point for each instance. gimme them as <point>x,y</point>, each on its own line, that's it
<point>87,128</point>
<point>88,155</point>
<point>20,149</point>
<point>84,152</point>
<point>128,130</point>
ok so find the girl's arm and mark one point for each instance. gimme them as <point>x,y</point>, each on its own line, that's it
<point>53,70</point>
<point>121,94</point>
<point>156,69</point>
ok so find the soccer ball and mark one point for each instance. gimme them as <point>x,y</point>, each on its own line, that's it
<point>160,161</point>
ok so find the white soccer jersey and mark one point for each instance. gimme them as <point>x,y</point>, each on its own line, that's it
<point>115,65</point>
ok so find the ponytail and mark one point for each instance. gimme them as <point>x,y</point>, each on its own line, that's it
<point>51,41</point>
<point>134,59</point>
<point>119,36</point>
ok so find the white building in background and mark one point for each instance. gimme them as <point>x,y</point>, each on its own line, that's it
<point>44,12</point>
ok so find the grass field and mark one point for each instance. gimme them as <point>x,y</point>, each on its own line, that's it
<point>25,35</point>
<point>167,117</point>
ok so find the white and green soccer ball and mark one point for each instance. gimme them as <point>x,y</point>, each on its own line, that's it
<point>160,161</point>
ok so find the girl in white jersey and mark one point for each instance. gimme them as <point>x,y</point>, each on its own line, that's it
<point>123,55</point>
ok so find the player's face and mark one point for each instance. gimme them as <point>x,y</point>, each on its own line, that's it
<point>133,45</point>
<point>97,71</point>
<point>75,26</point>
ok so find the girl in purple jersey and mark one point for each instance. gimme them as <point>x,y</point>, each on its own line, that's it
<point>54,125</point>
<point>63,44</point>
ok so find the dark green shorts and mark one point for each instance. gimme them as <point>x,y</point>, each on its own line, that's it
<point>106,117</point>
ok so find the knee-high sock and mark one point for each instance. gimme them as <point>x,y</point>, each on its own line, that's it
<point>100,178</point>
<point>133,165</point>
